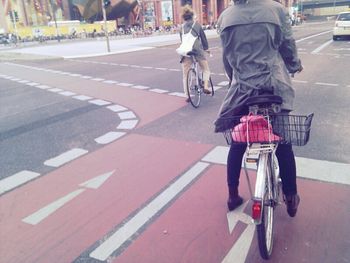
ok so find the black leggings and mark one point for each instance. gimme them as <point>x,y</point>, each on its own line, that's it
<point>286,163</point>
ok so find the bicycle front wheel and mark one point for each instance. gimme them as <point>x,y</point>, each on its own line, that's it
<point>193,88</point>
<point>265,229</point>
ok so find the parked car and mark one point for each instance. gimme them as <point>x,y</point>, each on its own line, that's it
<point>342,25</point>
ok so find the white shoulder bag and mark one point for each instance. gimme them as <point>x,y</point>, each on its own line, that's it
<point>186,43</point>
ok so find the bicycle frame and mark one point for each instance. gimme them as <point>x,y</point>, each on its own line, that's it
<point>195,67</point>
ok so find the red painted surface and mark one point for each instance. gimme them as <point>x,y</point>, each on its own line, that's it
<point>143,166</point>
<point>195,229</point>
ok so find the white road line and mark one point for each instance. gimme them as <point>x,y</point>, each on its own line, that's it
<point>127,115</point>
<point>223,83</point>
<point>65,157</point>
<point>16,180</point>
<point>86,77</point>
<point>124,84</point>
<point>32,84</point>
<point>217,87</point>
<point>43,87</point>
<point>315,51</point>
<point>299,81</point>
<point>44,212</point>
<point>161,68</point>
<point>306,168</point>
<point>99,102</point>
<point>67,93</point>
<point>109,137</point>
<point>97,79</point>
<point>55,90</point>
<point>127,125</point>
<point>159,90</point>
<point>178,94</point>
<point>302,39</point>
<point>131,227</point>
<point>140,87</point>
<point>327,84</point>
<point>116,108</point>
<point>174,69</point>
<point>110,81</point>
<point>82,97</point>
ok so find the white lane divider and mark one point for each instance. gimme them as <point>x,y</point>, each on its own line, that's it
<point>16,180</point>
<point>124,233</point>
<point>126,115</point>
<point>127,125</point>
<point>327,84</point>
<point>99,102</point>
<point>315,51</point>
<point>65,157</point>
<point>109,137</point>
<point>331,172</point>
<point>46,211</point>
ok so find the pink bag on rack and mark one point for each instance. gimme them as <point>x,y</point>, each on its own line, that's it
<point>259,130</point>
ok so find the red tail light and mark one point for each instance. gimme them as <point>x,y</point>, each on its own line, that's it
<point>256,210</point>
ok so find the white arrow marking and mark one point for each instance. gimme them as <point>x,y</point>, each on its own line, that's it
<point>96,182</point>
<point>44,212</point>
<point>237,215</point>
<point>239,251</point>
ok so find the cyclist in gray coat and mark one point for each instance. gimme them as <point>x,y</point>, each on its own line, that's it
<point>259,52</point>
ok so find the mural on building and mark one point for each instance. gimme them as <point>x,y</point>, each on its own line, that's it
<point>91,10</point>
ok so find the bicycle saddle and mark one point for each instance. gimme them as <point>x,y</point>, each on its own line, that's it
<point>264,99</point>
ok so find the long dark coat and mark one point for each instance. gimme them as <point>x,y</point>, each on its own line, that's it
<point>258,52</point>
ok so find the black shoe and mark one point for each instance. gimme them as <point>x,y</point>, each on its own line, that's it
<point>233,203</point>
<point>292,202</point>
<point>187,100</point>
<point>234,200</point>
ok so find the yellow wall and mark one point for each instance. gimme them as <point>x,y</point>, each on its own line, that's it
<point>63,30</point>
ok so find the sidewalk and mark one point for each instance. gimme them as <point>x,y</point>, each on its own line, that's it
<point>93,48</point>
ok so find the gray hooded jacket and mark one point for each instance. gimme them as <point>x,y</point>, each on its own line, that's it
<point>258,52</point>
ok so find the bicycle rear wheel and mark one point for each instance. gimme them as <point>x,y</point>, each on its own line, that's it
<point>265,229</point>
<point>193,90</point>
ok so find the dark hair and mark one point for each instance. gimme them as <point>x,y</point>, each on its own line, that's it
<point>187,12</point>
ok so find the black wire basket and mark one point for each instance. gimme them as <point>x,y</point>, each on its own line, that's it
<point>285,129</point>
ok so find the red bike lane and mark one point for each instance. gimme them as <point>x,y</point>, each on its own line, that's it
<point>71,212</point>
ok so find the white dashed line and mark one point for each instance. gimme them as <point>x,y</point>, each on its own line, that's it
<point>321,47</point>
<point>178,94</point>
<point>159,90</point>
<point>127,115</point>
<point>67,93</point>
<point>43,87</point>
<point>65,157</point>
<point>223,83</point>
<point>86,77</point>
<point>16,180</point>
<point>161,68</point>
<point>125,84</point>
<point>127,125</point>
<point>99,102</point>
<point>327,84</point>
<point>32,84</point>
<point>299,81</point>
<point>97,79</point>
<point>109,137</point>
<point>140,87</point>
<point>116,108</point>
<point>82,97</point>
<point>55,90</point>
<point>110,81</point>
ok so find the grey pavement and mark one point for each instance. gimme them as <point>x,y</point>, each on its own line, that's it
<point>93,48</point>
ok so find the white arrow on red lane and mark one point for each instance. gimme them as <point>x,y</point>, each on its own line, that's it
<point>239,251</point>
<point>44,212</point>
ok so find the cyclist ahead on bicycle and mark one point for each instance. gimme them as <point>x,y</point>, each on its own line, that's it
<point>259,52</point>
<point>199,48</point>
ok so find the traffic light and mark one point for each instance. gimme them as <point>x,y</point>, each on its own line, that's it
<point>13,16</point>
<point>106,3</point>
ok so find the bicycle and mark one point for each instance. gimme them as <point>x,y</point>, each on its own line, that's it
<point>262,131</point>
<point>195,84</point>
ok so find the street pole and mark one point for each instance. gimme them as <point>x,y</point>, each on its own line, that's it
<point>54,18</point>
<point>105,23</point>
<point>15,26</point>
